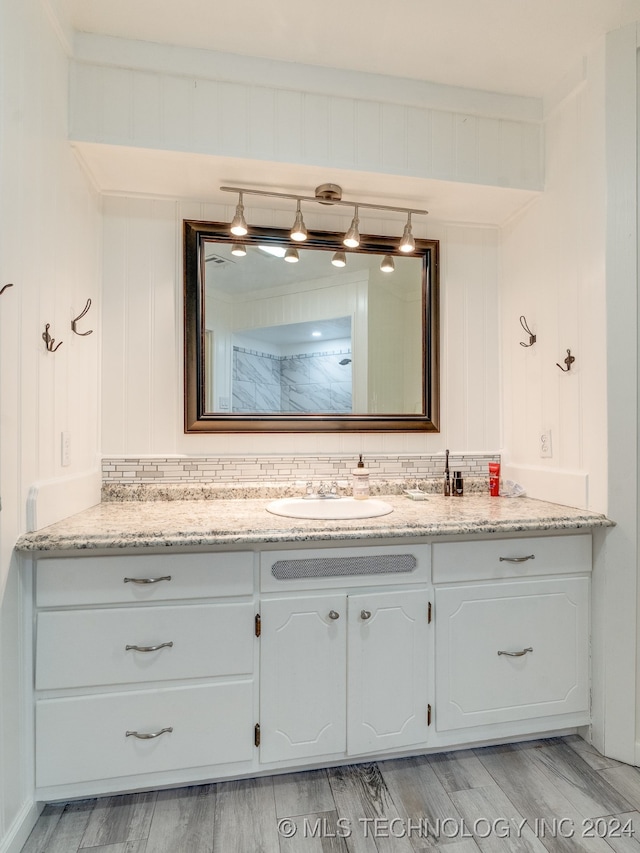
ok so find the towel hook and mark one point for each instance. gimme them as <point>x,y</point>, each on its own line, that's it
<point>5,287</point>
<point>568,361</point>
<point>48,340</point>
<point>532,337</point>
<point>79,317</point>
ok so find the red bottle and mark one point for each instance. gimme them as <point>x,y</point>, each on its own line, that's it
<point>494,479</point>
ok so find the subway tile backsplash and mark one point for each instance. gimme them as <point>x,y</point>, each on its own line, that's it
<point>209,470</point>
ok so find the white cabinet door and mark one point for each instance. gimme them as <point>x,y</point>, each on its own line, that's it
<point>303,677</point>
<point>511,651</point>
<point>387,690</point>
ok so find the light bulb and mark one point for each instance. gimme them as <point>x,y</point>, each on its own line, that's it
<point>238,250</point>
<point>407,244</point>
<point>291,256</point>
<point>339,259</point>
<point>299,230</point>
<point>387,264</point>
<point>352,237</point>
<point>239,223</point>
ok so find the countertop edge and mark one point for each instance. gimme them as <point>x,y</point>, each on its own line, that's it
<point>43,541</point>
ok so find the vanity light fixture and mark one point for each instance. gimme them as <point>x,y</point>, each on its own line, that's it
<point>339,259</point>
<point>387,264</point>
<point>299,230</point>
<point>352,237</point>
<point>239,223</point>
<point>328,194</point>
<point>291,256</point>
<point>407,244</point>
<point>238,250</point>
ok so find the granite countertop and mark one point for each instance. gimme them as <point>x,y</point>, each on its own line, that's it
<point>154,523</point>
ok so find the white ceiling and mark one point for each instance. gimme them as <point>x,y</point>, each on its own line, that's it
<point>522,47</point>
<point>120,170</point>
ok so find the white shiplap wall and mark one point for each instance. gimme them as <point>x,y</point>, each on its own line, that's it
<point>198,106</point>
<point>142,337</point>
<point>49,249</point>
<point>155,97</point>
<point>553,272</point>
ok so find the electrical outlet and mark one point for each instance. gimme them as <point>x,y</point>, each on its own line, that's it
<point>65,449</point>
<point>545,444</point>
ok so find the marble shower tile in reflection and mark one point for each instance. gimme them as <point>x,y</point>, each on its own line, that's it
<point>244,396</point>
<point>327,368</point>
<point>309,398</point>
<point>295,370</point>
<point>341,398</point>
<point>253,367</point>
<point>268,398</point>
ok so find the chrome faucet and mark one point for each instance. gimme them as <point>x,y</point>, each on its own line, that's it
<point>322,493</point>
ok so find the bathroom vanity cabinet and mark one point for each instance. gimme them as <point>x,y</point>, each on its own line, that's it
<point>142,665</point>
<point>344,672</point>
<point>165,669</point>
<point>512,631</point>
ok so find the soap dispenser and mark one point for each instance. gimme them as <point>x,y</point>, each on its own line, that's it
<point>360,477</point>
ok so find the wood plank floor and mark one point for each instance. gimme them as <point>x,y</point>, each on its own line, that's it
<point>546,795</point>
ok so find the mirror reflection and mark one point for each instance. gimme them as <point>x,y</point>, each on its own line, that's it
<point>298,367</point>
<point>322,340</point>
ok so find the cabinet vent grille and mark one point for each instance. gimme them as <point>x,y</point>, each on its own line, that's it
<point>337,567</point>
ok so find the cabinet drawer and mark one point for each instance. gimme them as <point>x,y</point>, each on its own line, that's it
<point>84,738</point>
<point>78,648</point>
<point>112,580</point>
<point>476,685</point>
<point>511,558</point>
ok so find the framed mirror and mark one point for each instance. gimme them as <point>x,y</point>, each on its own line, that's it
<point>308,346</point>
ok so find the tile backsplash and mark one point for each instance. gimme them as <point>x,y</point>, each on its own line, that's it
<point>192,470</point>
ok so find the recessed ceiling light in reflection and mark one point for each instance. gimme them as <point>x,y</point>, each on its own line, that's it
<point>276,251</point>
<point>316,334</point>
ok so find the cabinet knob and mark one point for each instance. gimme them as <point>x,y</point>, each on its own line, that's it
<point>365,614</point>
<point>333,614</point>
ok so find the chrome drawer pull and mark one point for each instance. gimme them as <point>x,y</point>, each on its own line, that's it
<point>365,614</point>
<point>149,735</point>
<point>149,648</point>
<point>516,654</point>
<point>517,559</point>
<point>333,614</point>
<point>147,580</point>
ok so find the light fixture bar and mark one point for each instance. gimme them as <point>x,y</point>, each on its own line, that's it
<point>269,194</point>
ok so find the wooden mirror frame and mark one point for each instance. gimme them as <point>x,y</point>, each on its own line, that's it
<point>198,420</point>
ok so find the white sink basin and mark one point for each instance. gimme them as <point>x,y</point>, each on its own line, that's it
<point>329,509</point>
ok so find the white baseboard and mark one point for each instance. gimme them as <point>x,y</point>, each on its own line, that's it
<point>570,488</point>
<point>52,500</point>
<point>20,828</point>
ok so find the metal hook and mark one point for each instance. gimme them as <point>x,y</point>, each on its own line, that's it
<point>79,317</point>
<point>5,288</point>
<point>48,340</point>
<point>532,337</point>
<point>568,361</point>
